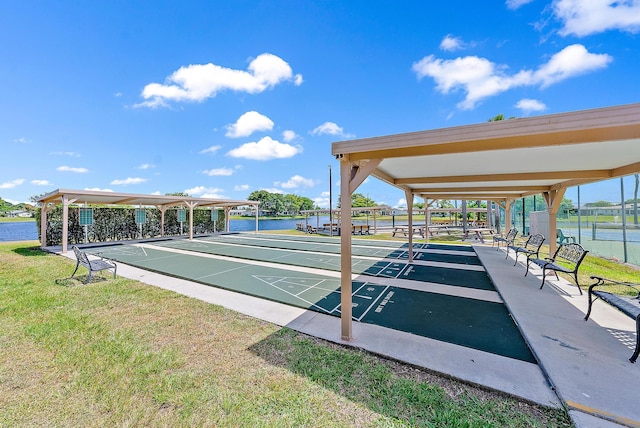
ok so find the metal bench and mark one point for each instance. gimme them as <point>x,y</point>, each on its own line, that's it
<point>92,265</point>
<point>531,247</point>
<point>628,305</point>
<point>507,239</point>
<point>567,259</point>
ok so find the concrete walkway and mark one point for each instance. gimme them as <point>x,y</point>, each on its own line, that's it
<point>586,362</point>
<point>583,366</point>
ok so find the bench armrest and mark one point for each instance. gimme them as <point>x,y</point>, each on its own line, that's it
<point>603,282</point>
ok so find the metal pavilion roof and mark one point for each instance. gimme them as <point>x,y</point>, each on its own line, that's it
<point>505,159</point>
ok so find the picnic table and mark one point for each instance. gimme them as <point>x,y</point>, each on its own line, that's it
<point>478,231</point>
<point>435,230</point>
<point>404,231</point>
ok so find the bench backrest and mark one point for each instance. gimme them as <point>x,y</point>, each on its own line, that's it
<point>535,241</point>
<point>573,253</point>
<point>511,235</point>
<point>82,257</point>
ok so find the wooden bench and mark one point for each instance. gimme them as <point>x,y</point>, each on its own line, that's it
<point>628,305</point>
<point>82,259</point>
<point>567,259</point>
<point>507,239</point>
<point>311,229</point>
<point>531,248</point>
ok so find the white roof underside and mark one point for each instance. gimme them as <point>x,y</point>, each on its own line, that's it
<point>114,198</point>
<point>506,159</point>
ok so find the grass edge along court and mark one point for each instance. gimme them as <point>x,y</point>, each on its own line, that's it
<point>122,352</point>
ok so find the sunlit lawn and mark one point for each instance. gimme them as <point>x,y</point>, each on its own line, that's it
<point>122,353</point>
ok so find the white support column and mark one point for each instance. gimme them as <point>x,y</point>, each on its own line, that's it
<point>65,221</point>
<point>409,197</point>
<point>256,205</point>
<point>162,210</point>
<point>345,253</point>
<point>43,224</point>
<point>227,211</point>
<point>553,198</point>
<point>191,206</point>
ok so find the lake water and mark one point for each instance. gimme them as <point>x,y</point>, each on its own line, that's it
<point>26,231</point>
<point>18,231</point>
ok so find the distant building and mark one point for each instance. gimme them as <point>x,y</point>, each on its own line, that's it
<point>19,213</point>
<point>613,210</point>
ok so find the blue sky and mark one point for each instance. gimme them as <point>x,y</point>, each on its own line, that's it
<point>219,99</point>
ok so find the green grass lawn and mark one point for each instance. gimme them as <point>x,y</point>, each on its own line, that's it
<point>16,219</point>
<point>122,353</point>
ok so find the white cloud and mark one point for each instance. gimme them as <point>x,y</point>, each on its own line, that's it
<point>15,202</point>
<point>11,184</point>
<point>528,105</point>
<point>218,172</point>
<point>272,190</point>
<point>516,4</point>
<point>265,149</point>
<point>450,43</point>
<point>295,182</point>
<point>72,154</point>
<point>40,182</point>
<point>205,192</point>
<point>288,136</point>
<point>571,61</point>
<point>21,140</point>
<point>157,193</point>
<point>241,187</point>
<point>146,166</point>
<point>582,18</point>
<point>330,128</point>
<point>402,203</point>
<point>323,200</point>
<point>211,149</point>
<point>197,82</point>
<point>72,169</point>
<point>128,180</point>
<point>480,78</point>
<point>249,123</point>
<point>97,189</point>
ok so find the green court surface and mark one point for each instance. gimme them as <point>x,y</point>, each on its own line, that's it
<point>472,323</point>
<point>315,259</point>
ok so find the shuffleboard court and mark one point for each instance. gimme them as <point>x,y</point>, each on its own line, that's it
<point>329,261</point>
<point>432,315</point>
<point>320,260</point>
<point>434,253</point>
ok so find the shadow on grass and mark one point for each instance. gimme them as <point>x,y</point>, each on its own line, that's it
<point>30,251</point>
<point>397,391</point>
<point>79,280</point>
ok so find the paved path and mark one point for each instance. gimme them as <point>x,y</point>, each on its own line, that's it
<point>586,361</point>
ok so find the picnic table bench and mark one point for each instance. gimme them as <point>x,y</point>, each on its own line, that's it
<point>97,265</point>
<point>360,229</point>
<point>566,259</point>
<point>628,305</point>
<point>531,247</point>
